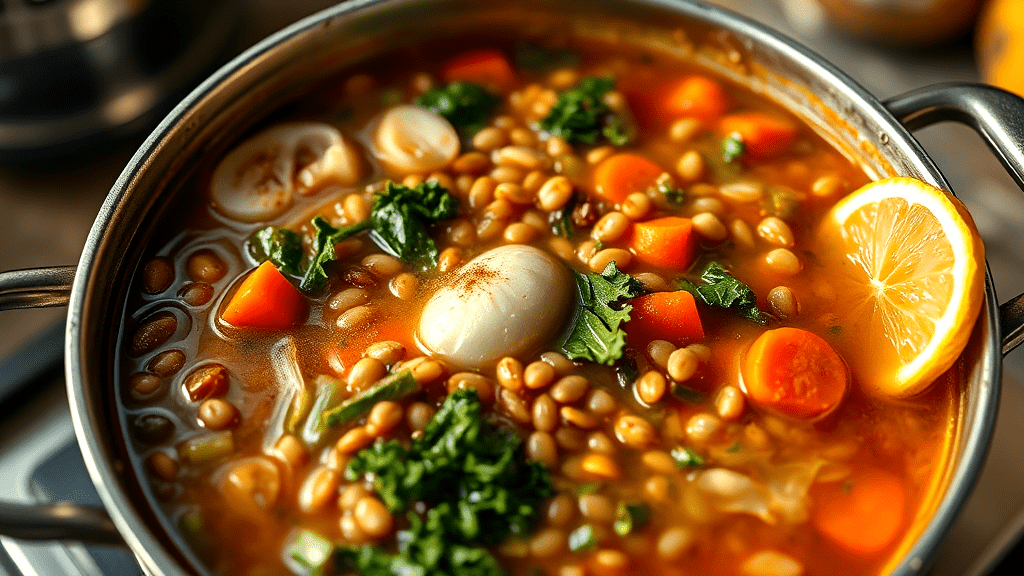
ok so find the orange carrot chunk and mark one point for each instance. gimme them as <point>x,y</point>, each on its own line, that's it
<point>862,515</point>
<point>488,68</point>
<point>622,174</point>
<point>668,316</point>
<point>795,373</point>
<point>664,242</point>
<point>763,135</point>
<point>696,97</point>
<point>266,300</point>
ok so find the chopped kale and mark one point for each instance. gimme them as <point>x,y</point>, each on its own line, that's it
<point>467,106</point>
<point>477,486</point>
<point>687,458</point>
<point>580,115</point>
<point>326,236</point>
<point>400,216</point>
<point>723,290</point>
<point>596,334</point>
<point>733,147</point>
<point>279,245</point>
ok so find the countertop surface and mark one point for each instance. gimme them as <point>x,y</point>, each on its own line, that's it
<point>47,212</point>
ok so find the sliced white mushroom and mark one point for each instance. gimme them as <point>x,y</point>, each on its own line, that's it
<point>258,178</point>
<point>411,139</point>
<point>505,302</point>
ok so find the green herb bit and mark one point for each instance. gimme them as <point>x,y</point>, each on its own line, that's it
<point>599,245</point>
<point>563,225</point>
<point>583,539</point>
<point>596,334</point>
<point>631,517</point>
<point>835,330</point>
<point>674,195</point>
<point>279,245</point>
<point>390,387</point>
<point>783,202</point>
<point>327,394</point>
<point>475,482</point>
<point>723,290</point>
<point>311,553</point>
<point>324,239</point>
<point>687,394</point>
<point>734,448</point>
<point>541,60</point>
<point>580,115</point>
<point>588,488</point>
<point>687,458</point>
<point>467,106</point>
<point>733,147</point>
<point>400,216</point>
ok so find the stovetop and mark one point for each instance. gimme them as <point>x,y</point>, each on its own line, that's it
<point>39,459</point>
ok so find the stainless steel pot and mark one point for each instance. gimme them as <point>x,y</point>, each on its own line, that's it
<point>282,66</point>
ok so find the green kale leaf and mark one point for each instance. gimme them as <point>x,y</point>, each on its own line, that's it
<point>723,290</point>
<point>467,106</point>
<point>733,147</point>
<point>596,334</point>
<point>326,236</point>
<point>580,115</point>
<point>400,216</point>
<point>279,245</point>
<point>475,481</point>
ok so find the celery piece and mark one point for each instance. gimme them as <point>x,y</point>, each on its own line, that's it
<point>389,388</point>
<point>208,447</point>
<point>326,396</point>
<point>310,553</point>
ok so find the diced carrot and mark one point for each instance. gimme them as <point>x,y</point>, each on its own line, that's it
<point>863,514</point>
<point>488,68</point>
<point>267,300</point>
<point>695,97</point>
<point>763,135</point>
<point>622,174</point>
<point>668,316</point>
<point>795,373</point>
<point>664,242</point>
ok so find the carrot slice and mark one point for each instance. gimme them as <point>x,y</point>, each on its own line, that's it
<point>795,373</point>
<point>763,135</point>
<point>489,68</point>
<point>664,242</point>
<point>862,515</point>
<point>267,300</point>
<point>697,97</point>
<point>622,174</point>
<point>668,316</point>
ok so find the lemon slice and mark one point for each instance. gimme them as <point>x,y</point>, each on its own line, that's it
<point>907,262</point>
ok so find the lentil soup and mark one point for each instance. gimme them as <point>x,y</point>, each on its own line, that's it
<point>563,265</point>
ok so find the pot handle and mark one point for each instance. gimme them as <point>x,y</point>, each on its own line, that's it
<point>59,521</point>
<point>998,117</point>
<point>36,287</point>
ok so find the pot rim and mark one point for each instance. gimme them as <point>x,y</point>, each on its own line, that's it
<point>154,552</point>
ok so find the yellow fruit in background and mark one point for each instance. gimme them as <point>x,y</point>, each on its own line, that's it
<point>1000,44</point>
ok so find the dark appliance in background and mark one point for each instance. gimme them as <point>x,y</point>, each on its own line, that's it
<point>77,73</point>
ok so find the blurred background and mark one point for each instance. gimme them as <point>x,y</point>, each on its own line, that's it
<point>82,81</point>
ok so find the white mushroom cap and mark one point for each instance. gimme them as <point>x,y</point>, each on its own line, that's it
<point>505,302</point>
<point>411,139</point>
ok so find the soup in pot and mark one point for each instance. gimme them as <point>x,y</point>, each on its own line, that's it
<point>526,307</point>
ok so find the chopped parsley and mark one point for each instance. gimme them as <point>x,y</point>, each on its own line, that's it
<point>734,448</point>
<point>562,220</point>
<point>733,147</point>
<point>675,196</point>
<point>687,458</point>
<point>723,290</point>
<point>476,484</point>
<point>467,106</point>
<point>580,115</point>
<point>596,334</point>
<point>398,224</point>
<point>631,517</point>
